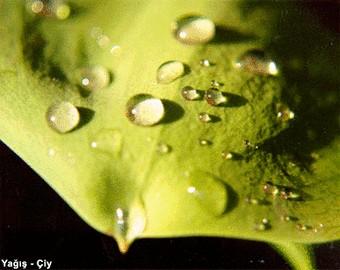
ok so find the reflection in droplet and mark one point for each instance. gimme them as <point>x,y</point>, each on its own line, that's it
<point>170,71</point>
<point>163,148</point>
<point>194,30</point>
<point>129,224</point>
<point>255,61</point>
<point>94,78</point>
<point>284,114</point>
<point>204,117</point>
<point>215,97</point>
<point>107,140</point>
<point>145,110</point>
<point>63,116</point>
<point>209,191</point>
<point>190,93</point>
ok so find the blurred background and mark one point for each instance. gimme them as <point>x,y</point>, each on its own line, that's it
<point>35,223</point>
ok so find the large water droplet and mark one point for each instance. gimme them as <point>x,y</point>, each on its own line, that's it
<point>129,224</point>
<point>170,71</point>
<point>194,30</point>
<point>94,78</point>
<point>255,61</point>
<point>107,140</point>
<point>209,191</point>
<point>145,110</point>
<point>63,116</point>
<point>215,97</point>
<point>190,93</point>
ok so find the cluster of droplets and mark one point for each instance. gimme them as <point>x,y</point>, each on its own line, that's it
<point>58,9</point>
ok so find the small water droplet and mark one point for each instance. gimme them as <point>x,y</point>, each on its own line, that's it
<point>209,191</point>
<point>129,224</point>
<point>145,110</point>
<point>194,30</point>
<point>252,200</point>
<point>255,61</point>
<point>115,49</point>
<point>63,116</point>
<point>56,8</point>
<point>215,97</point>
<point>204,142</point>
<point>206,63</point>
<point>271,189</point>
<point>170,71</point>
<point>284,114</point>
<point>103,41</point>
<point>204,117</point>
<point>190,93</point>
<point>62,11</point>
<point>107,140</point>
<point>215,84</point>
<point>227,155</point>
<point>37,6</point>
<point>95,32</point>
<point>303,227</point>
<point>263,225</point>
<point>51,152</point>
<point>163,148</point>
<point>94,78</point>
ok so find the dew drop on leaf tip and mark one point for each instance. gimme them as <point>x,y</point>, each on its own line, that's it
<point>145,110</point>
<point>192,30</point>
<point>63,116</point>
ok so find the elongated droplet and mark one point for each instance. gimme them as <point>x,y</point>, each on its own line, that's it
<point>107,140</point>
<point>194,30</point>
<point>145,110</point>
<point>170,71</point>
<point>63,116</point>
<point>129,224</point>
<point>190,93</point>
<point>204,117</point>
<point>163,148</point>
<point>215,97</point>
<point>284,114</point>
<point>255,61</point>
<point>209,191</point>
<point>94,78</point>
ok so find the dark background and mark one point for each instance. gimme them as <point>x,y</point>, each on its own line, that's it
<point>36,224</point>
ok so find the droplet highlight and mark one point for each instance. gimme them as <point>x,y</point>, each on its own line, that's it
<point>94,78</point>
<point>170,71</point>
<point>194,30</point>
<point>63,117</point>
<point>190,93</point>
<point>215,97</point>
<point>255,61</point>
<point>145,110</point>
<point>209,191</point>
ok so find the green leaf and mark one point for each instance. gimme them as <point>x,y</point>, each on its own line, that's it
<point>38,67</point>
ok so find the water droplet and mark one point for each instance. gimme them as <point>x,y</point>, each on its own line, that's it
<point>63,116</point>
<point>145,110</point>
<point>215,97</point>
<point>255,61</point>
<point>284,114</point>
<point>194,30</point>
<point>303,227</point>
<point>170,71</point>
<point>251,200</point>
<point>287,194</point>
<point>37,6</point>
<point>129,224</point>
<point>204,142</point>
<point>107,140</point>
<point>204,117</point>
<point>190,93</point>
<point>62,11</point>
<point>96,32</point>
<point>227,155</point>
<point>51,152</point>
<point>103,41</point>
<point>94,78</point>
<point>115,50</point>
<point>215,84</point>
<point>163,148</point>
<point>263,225</point>
<point>206,63</point>
<point>271,189</point>
<point>209,191</point>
